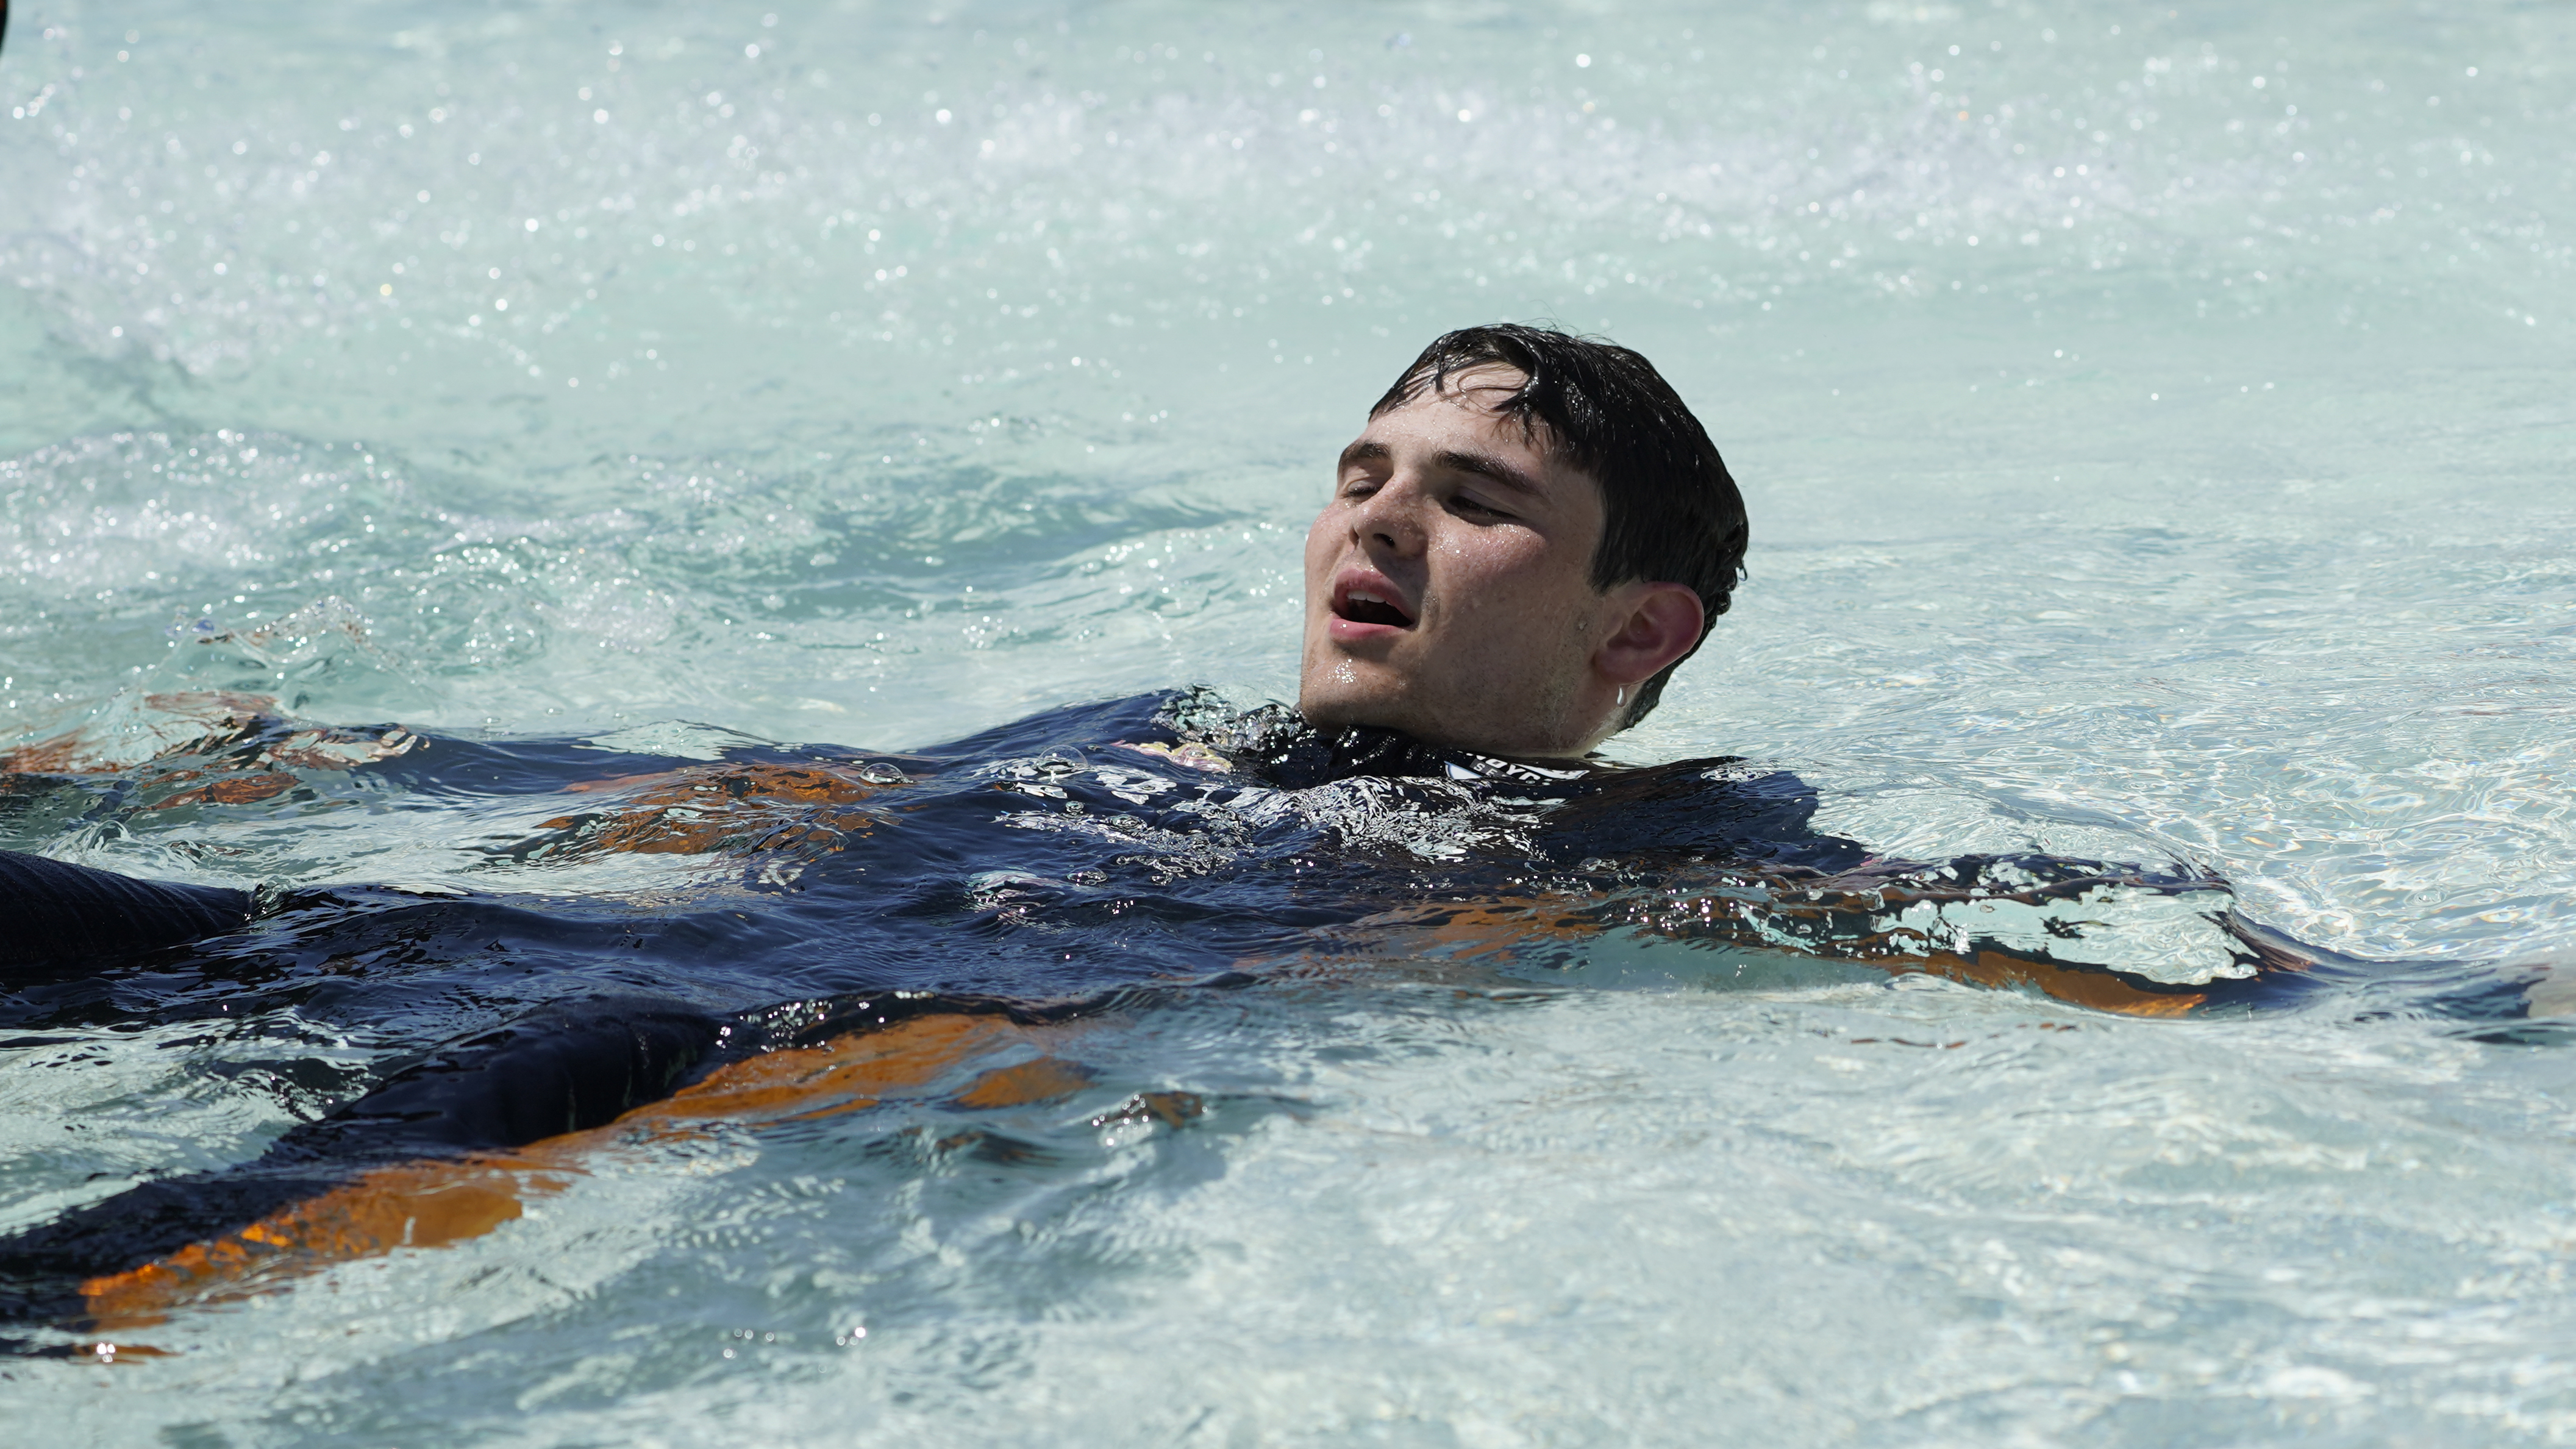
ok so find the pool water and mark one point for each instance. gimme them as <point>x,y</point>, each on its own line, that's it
<point>2155,422</point>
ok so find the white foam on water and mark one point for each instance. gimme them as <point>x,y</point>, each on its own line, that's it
<point>2155,426</point>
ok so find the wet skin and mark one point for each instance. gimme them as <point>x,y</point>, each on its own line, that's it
<point>1449,587</point>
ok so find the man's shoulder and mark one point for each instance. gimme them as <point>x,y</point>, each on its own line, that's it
<point>1722,807</point>
<point>1126,719</point>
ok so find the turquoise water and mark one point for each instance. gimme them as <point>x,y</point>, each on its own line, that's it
<point>2156,425</point>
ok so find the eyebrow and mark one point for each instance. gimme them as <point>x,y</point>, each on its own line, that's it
<point>1482,465</point>
<point>1364,451</point>
<point>1485,465</point>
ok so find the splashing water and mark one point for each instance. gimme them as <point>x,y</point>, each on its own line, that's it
<point>2155,427</point>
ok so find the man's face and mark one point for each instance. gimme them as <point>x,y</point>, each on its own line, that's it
<point>1448,588</point>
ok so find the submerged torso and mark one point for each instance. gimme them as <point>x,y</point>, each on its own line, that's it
<point>1152,838</point>
<point>736,927</point>
<point>1155,839</point>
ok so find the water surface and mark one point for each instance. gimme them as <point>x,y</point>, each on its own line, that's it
<point>2155,423</point>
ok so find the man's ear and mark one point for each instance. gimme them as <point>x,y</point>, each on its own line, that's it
<point>1662,623</point>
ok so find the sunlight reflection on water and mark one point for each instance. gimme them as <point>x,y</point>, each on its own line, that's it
<point>2155,429</point>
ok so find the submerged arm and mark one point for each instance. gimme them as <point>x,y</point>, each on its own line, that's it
<point>457,1146</point>
<point>62,916</point>
<point>2026,922</point>
<point>206,749</point>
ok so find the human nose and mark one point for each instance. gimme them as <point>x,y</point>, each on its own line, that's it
<point>1390,518</point>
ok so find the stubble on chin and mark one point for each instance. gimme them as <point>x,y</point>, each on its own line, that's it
<point>1335,689</point>
<point>1331,692</point>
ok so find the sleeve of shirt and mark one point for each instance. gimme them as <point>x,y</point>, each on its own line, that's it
<point>59,914</point>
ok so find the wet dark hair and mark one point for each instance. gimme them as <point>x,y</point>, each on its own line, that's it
<point>1670,512</point>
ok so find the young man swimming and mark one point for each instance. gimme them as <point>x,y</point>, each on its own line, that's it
<point>1526,540</point>
<point>1527,537</point>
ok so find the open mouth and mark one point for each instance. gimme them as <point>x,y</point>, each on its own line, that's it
<point>1362,606</point>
